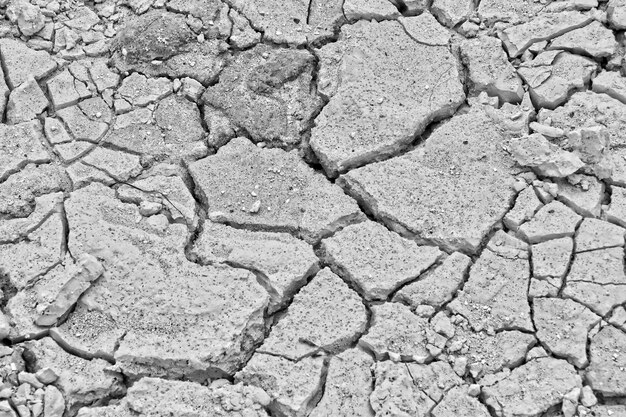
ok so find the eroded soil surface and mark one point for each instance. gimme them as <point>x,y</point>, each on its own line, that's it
<point>314,208</point>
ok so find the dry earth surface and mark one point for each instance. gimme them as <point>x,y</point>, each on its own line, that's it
<point>314,208</point>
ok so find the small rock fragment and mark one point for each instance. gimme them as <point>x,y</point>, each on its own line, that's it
<point>552,221</point>
<point>546,159</point>
<point>26,102</point>
<point>526,205</point>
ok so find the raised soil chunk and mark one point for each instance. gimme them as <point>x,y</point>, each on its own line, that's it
<point>563,327</point>
<point>490,70</point>
<point>617,209</point>
<point>588,109</point>
<point>34,252</point>
<point>511,13</point>
<point>284,261</point>
<point>551,258</point>
<point>375,259</point>
<point>545,159</point>
<point>438,286</point>
<point>596,279</point>
<point>457,402</point>
<point>20,189</point>
<point>292,386</point>
<point>325,315</point>
<point>267,93</point>
<point>140,91</point>
<point>66,91</point>
<point>369,116</point>
<point>495,296</point>
<point>532,388</point>
<point>81,126</point>
<point>159,397</point>
<point>543,27</point>
<point>370,10</point>
<point>293,22</point>
<point>451,12</point>
<point>552,221</point>
<point>616,13</point>
<point>271,189</point>
<point>586,202</point>
<point>451,191</point>
<point>179,119</point>
<point>554,75</point>
<point>612,84</point>
<point>348,386</point>
<point>82,382</point>
<point>408,389</point>
<point>485,354</point>
<point>398,334</point>
<point>607,370</point>
<point>526,205</point>
<point>21,145</point>
<point>26,102</point>
<point>153,293</point>
<point>19,62</point>
<point>593,40</point>
<point>597,234</point>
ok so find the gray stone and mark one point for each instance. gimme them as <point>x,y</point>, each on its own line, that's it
<point>325,315</point>
<point>532,388</point>
<point>422,194</point>
<point>28,17</point>
<point>553,221</point>
<point>19,62</point>
<point>348,386</point>
<point>506,12</point>
<point>376,260</point>
<point>555,75</point>
<point>490,70</point>
<point>495,294</point>
<point>612,84</point>
<point>545,158</point>
<point>26,102</point>
<point>597,280</point>
<point>243,35</point>
<point>563,327</point>
<point>179,120</point>
<point>369,116</point>
<point>606,373</point>
<point>436,287</point>
<point>616,14</point>
<point>293,197</point>
<point>82,126</point>
<point>552,258</point>
<point>585,201</point>
<point>284,262</point>
<point>293,386</point>
<point>616,212</point>
<point>102,76</point>
<point>266,93</point>
<point>66,91</point>
<point>54,403</point>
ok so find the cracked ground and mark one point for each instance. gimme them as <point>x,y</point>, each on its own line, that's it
<point>313,208</point>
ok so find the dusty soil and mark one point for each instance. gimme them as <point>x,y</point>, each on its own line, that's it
<point>324,208</point>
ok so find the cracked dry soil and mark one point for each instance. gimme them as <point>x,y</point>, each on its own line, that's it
<point>314,208</point>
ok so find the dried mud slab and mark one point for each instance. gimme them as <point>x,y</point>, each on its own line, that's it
<point>606,372</point>
<point>324,316</point>
<point>267,93</point>
<point>164,332</point>
<point>159,397</point>
<point>270,189</point>
<point>376,260</point>
<point>380,102</point>
<point>348,386</point>
<point>450,192</point>
<point>284,262</point>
